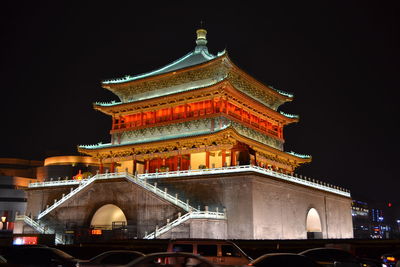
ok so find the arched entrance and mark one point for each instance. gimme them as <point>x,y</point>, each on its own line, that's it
<point>313,225</point>
<point>108,217</point>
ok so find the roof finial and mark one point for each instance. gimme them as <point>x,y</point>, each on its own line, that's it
<point>201,35</point>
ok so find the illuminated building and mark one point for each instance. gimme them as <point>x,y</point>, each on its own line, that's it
<point>361,219</point>
<point>66,167</point>
<point>15,175</point>
<point>198,112</point>
<point>380,228</point>
<point>196,150</point>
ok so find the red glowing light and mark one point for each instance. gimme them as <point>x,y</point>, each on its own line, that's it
<point>79,176</point>
<point>389,204</point>
<point>96,232</point>
<point>25,240</point>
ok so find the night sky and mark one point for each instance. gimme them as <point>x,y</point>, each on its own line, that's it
<point>340,60</point>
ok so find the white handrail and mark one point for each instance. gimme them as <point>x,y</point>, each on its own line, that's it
<point>246,168</point>
<point>35,225</point>
<point>84,183</point>
<point>176,201</point>
<point>184,218</point>
<point>54,183</point>
<point>230,169</point>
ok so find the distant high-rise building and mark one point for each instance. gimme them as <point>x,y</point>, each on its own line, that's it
<point>380,228</point>
<point>361,219</point>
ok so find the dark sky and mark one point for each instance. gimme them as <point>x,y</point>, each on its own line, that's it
<point>341,61</point>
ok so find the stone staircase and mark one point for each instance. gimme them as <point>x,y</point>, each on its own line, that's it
<point>141,182</point>
<point>42,229</point>
<point>181,219</point>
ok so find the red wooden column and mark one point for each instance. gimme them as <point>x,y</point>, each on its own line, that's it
<point>163,162</point>
<point>101,169</point>
<point>233,157</point>
<point>134,166</point>
<point>212,106</point>
<point>223,152</point>
<point>112,168</point>
<point>185,110</point>
<point>175,164</point>
<point>147,162</point>
<point>207,159</point>
<point>180,161</point>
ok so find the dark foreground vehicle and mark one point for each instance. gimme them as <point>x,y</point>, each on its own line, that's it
<point>112,258</point>
<point>166,259</point>
<point>32,256</point>
<point>220,252</point>
<point>283,260</point>
<point>333,257</point>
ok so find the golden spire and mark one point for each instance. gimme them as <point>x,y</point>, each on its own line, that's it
<point>201,37</point>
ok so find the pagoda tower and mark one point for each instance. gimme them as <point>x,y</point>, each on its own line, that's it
<point>204,141</point>
<point>198,112</point>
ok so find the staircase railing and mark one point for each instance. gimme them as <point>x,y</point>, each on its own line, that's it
<point>294,178</point>
<point>141,182</point>
<point>184,218</point>
<point>37,227</point>
<point>161,193</point>
<point>83,184</point>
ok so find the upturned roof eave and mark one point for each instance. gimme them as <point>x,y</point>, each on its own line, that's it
<point>220,56</point>
<point>257,82</point>
<point>109,110</point>
<point>228,130</point>
<point>159,74</point>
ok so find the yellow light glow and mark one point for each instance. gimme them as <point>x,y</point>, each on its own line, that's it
<point>69,160</point>
<point>313,221</point>
<point>96,232</point>
<point>391,258</point>
<point>106,215</point>
<point>197,160</point>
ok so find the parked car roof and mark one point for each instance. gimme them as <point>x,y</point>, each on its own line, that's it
<point>112,257</point>
<point>181,257</point>
<point>283,259</point>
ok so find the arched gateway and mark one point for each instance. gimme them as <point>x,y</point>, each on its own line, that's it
<point>108,217</point>
<point>313,224</point>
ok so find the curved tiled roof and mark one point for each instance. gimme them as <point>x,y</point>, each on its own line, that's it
<point>198,56</point>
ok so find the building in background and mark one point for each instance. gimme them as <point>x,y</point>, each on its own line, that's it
<point>68,167</point>
<point>15,175</point>
<point>361,219</point>
<point>380,229</point>
<point>374,220</point>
